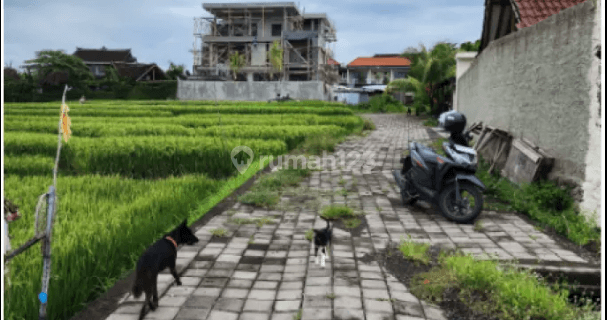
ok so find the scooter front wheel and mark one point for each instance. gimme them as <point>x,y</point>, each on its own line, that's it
<point>468,209</point>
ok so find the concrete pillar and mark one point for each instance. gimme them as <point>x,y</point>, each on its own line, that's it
<point>391,75</point>
<point>249,76</point>
<point>369,76</point>
<point>347,77</point>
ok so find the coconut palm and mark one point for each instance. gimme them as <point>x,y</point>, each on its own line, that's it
<point>428,69</point>
<point>237,61</point>
<point>276,57</point>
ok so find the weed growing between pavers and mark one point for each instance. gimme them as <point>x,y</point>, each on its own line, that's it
<point>219,232</point>
<point>417,252</point>
<point>266,191</point>
<point>347,215</point>
<point>478,226</point>
<point>297,316</point>
<point>260,222</point>
<point>309,235</point>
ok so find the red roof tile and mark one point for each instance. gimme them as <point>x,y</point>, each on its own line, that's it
<point>331,61</point>
<point>534,11</point>
<point>380,62</point>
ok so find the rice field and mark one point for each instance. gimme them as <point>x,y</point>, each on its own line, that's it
<point>130,172</point>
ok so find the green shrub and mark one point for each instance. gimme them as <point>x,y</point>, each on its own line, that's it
<point>386,103</point>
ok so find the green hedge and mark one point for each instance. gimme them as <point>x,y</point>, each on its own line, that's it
<point>21,91</point>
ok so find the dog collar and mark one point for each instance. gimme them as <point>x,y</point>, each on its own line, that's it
<point>173,241</point>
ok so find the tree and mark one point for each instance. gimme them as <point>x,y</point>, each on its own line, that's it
<point>470,46</point>
<point>175,71</point>
<point>428,70</point>
<point>237,61</point>
<point>56,61</point>
<point>276,56</point>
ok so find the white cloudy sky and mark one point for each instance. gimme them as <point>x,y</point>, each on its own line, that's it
<point>161,31</point>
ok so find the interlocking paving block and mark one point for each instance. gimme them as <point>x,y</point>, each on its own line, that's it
<point>316,314</point>
<point>379,316</point>
<point>199,302</point>
<point>172,301</point>
<point>262,294</point>
<point>235,293</point>
<point>240,283</point>
<point>207,292</point>
<point>348,314</point>
<point>378,306</point>
<point>229,304</point>
<point>258,305</point>
<point>117,316</point>
<point>376,294</point>
<point>405,317</point>
<point>192,314</point>
<point>287,305</point>
<point>346,302</point>
<point>163,313</point>
<point>289,294</point>
<point>408,308</point>
<point>433,313</point>
<point>179,291</point>
<point>254,316</point>
<point>222,315</point>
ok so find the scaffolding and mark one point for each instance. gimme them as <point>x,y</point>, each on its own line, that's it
<point>243,30</point>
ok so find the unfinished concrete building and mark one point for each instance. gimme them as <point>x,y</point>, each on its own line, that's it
<point>250,29</point>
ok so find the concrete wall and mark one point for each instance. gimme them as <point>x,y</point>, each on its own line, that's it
<point>463,61</point>
<point>538,83</point>
<point>250,91</point>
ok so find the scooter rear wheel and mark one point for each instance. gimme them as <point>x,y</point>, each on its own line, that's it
<point>472,198</point>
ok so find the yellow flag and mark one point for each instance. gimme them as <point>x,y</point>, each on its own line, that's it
<point>65,122</point>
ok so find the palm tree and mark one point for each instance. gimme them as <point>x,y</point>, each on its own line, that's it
<point>428,69</point>
<point>237,61</point>
<point>276,56</point>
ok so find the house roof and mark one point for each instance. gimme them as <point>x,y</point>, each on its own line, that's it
<point>137,71</point>
<point>503,17</point>
<point>331,61</point>
<point>533,11</point>
<point>380,62</point>
<point>104,55</point>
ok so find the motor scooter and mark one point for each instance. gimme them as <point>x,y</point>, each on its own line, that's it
<point>446,181</point>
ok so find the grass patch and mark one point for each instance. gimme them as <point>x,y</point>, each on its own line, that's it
<point>297,316</point>
<point>336,212</point>
<point>309,235</point>
<point>219,232</point>
<point>260,222</point>
<point>478,226</point>
<point>544,202</point>
<point>430,122</point>
<point>260,198</point>
<point>352,223</point>
<point>315,145</point>
<point>266,191</point>
<point>368,125</point>
<point>331,296</point>
<point>488,288</point>
<point>416,252</point>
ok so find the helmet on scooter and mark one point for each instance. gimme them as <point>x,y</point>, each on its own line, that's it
<point>452,121</point>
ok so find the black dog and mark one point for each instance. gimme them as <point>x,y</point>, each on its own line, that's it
<point>156,258</point>
<point>322,238</point>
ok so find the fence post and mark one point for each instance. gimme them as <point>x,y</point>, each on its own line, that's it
<point>46,251</point>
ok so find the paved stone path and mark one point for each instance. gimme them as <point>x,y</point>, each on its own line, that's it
<point>263,273</point>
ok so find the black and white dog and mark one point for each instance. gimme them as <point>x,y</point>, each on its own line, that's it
<point>322,238</point>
